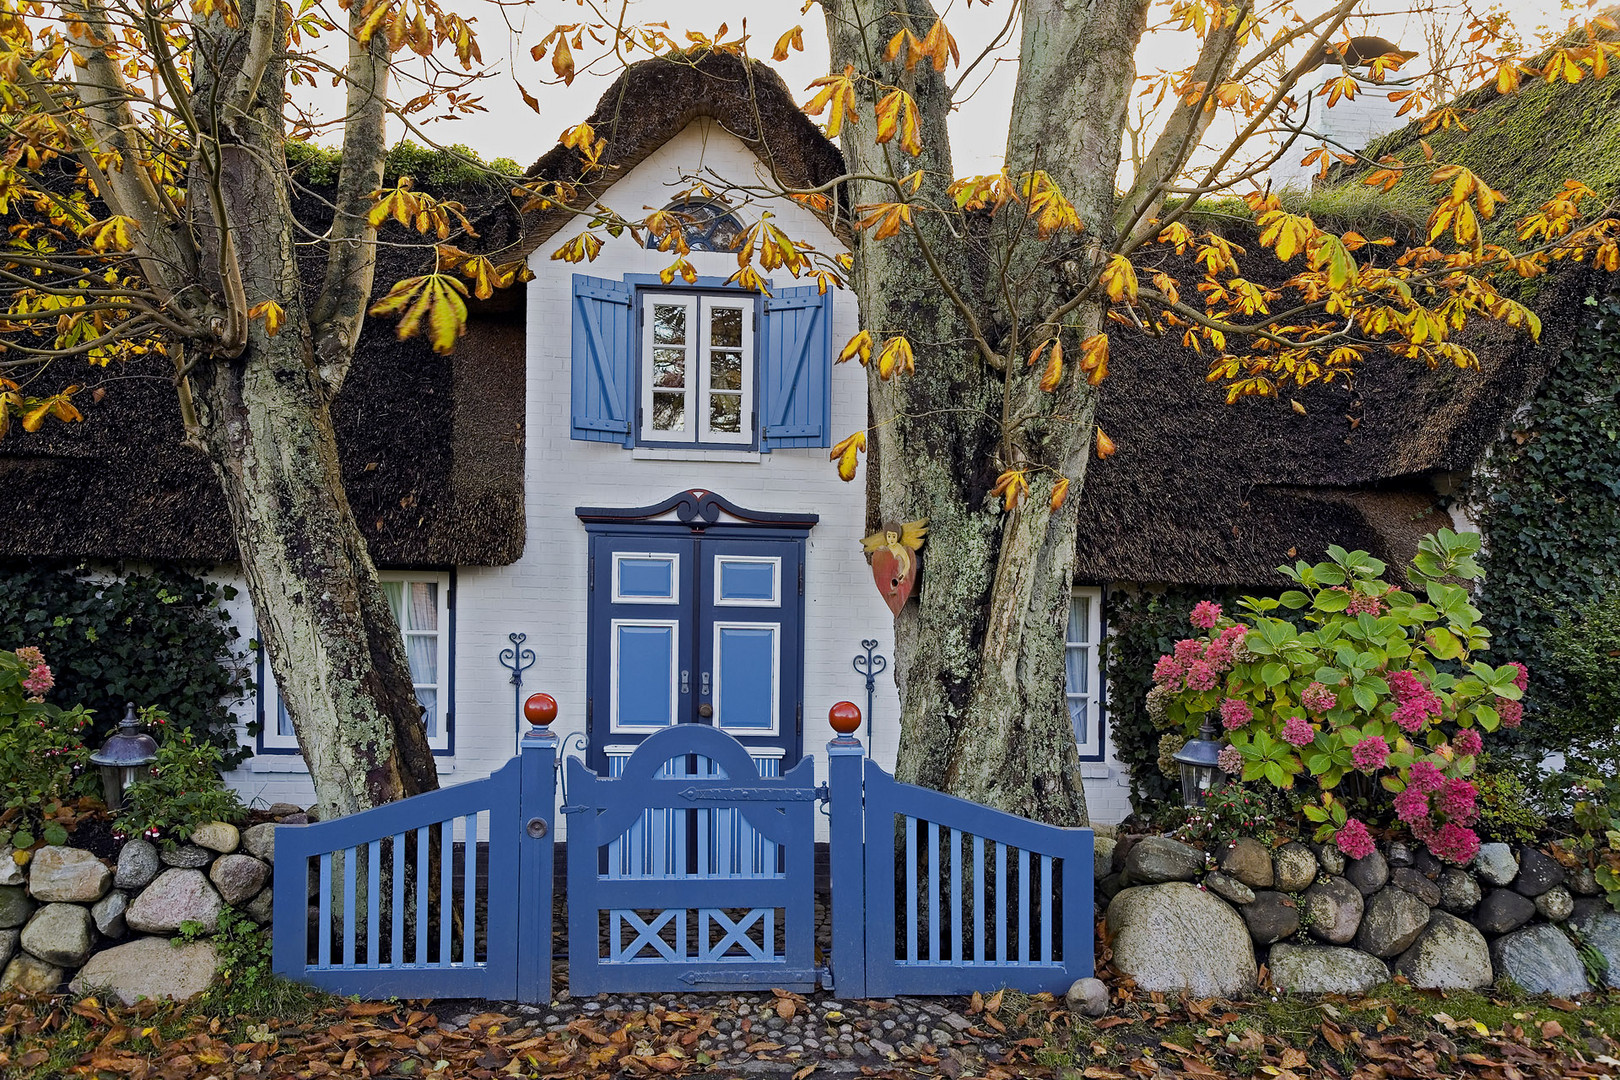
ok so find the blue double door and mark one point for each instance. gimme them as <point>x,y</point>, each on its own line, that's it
<point>693,628</point>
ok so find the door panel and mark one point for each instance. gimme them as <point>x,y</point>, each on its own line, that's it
<point>688,629</point>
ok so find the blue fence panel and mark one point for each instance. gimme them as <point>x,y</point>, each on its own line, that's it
<point>955,863</point>
<point>690,870</point>
<point>436,939</point>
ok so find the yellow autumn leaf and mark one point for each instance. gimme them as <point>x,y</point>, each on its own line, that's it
<point>1119,279</point>
<point>895,357</point>
<point>1060,491</point>
<point>1105,445</point>
<point>846,453</point>
<point>837,93</point>
<point>793,39</point>
<point>1053,373</point>
<point>271,313</point>
<point>1012,486</point>
<point>859,345</point>
<point>897,115</point>
<point>435,298</point>
<point>57,405</point>
<point>111,234</point>
<point>1094,358</point>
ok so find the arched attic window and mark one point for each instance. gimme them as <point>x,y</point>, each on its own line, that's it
<point>709,225</point>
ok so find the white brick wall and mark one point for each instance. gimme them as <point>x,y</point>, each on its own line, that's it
<point>544,593</point>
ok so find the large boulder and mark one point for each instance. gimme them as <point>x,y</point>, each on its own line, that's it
<point>1409,880</point>
<point>238,878</point>
<point>1459,891</point>
<point>1330,858</point>
<point>1369,874</point>
<point>1333,909</point>
<point>1393,921</point>
<point>150,968</point>
<point>1176,937</point>
<point>59,934</point>
<point>31,975</point>
<point>1323,969</point>
<point>219,836</point>
<point>1537,873</point>
<point>138,864</point>
<point>1541,960</point>
<point>1503,910</point>
<point>259,841</point>
<point>15,907</point>
<point>1449,955</point>
<point>1600,929</point>
<point>1248,860</point>
<point>68,875</point>
<point>1271,917</point>
<point>1293,868</point>
<point>176,897</point>
<point>1496,865</point>
<point>1158,859</point>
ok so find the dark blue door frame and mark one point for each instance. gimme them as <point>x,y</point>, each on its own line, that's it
<point>703,589</point>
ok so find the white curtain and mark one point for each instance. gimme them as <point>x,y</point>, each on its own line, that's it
<point>416,606</point>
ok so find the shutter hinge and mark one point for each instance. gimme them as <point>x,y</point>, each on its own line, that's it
<point>590,706</point>
<point>590,574</point>
<point>801,577</point>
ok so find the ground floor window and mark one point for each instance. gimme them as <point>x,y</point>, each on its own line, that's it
<point>1083,673</point>
<point>422,604</point>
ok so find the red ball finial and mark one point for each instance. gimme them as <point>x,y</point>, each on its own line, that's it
<point>845,718</point>
<point>540,709</point>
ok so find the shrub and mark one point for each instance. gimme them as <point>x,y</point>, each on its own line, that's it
<point>43,760</point>
<point>1363,679</point>
<point>1230,810</point>
<point>159,638</point>
<point>183,791</point>
<point>1507,811</point>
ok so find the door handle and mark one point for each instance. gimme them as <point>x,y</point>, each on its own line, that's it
<point>686,681</point>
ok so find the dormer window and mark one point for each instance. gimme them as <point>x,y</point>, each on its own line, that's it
<point>709,225</point>
<point>697,369</point>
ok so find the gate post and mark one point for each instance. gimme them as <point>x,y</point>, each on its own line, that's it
<point>536,824</point>
<point>846,851</point>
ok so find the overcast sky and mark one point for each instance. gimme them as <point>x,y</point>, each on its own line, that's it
<point>510,129</point>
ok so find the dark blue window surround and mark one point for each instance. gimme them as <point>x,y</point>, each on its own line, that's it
<point>791,365</point>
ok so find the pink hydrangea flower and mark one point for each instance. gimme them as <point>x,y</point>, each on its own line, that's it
<point>1354,840</point>
<point>1365,605</point>
<point>1411,716</point>
<point>1522,679</point>
<point>31,655</point>
<point>1235,713</point>
<point>1454,844</point>
<point>1457,801</point>
<point>1205,614</point>
<point>1404,684</point>
<point>1318,698</point>
<point>1188,650</point>
<point>1200,676</point>
<point>1234,634</point>
<point>1425,776</point>
<point>1511,712</point>
<point>1168,671</point>
<point>1412,805</point>
<point>1298,731</point>
<point>1468,742</point>
<point>1230,760</point>
<point>1219,655</point>
<point>1370,753</point>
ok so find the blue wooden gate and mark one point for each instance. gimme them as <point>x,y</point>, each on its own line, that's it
<point>690,869</point>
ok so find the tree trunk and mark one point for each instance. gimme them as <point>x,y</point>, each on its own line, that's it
<point>980,659</point>
<point>264,420</point>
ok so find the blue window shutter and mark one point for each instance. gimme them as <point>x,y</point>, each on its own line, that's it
<point>796,369</point>
<point>602,390</point>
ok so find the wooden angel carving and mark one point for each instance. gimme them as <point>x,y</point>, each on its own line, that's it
<point>896,559</point>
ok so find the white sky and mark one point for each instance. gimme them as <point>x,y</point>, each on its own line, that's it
<point>510,129</point>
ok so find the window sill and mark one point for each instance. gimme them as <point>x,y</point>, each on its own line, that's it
<point>294,763</point>
<point>669,453</point>
<point>1096,771</point>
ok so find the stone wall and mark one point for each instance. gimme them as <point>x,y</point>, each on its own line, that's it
<point>1186,920</point>
<point>70,917</point>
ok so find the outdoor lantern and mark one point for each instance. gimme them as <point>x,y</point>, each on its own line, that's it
<point>124,758</point>
<point>1198,761</point>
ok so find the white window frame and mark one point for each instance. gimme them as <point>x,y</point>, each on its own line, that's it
<point>698,382</point>
<point>773,561</point>
<point>272,741</point>
<point>1094,747</point>
<point>674,627</point>
<point>775,729</point>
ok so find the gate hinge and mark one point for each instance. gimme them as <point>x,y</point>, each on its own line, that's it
<point>824,793</point>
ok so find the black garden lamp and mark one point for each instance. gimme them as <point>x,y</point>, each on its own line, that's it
<point>124,758</point>
<point>1199,761</point>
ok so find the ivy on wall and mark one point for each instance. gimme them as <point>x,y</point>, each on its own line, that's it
<point>161,637</point>
<point>1549,495</point>
<point>1144,624</point>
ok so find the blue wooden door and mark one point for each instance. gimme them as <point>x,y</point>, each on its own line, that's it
<point>695,630</point>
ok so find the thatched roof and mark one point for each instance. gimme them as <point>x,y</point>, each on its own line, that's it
<point>432,448</point>
<point>656,99</point>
